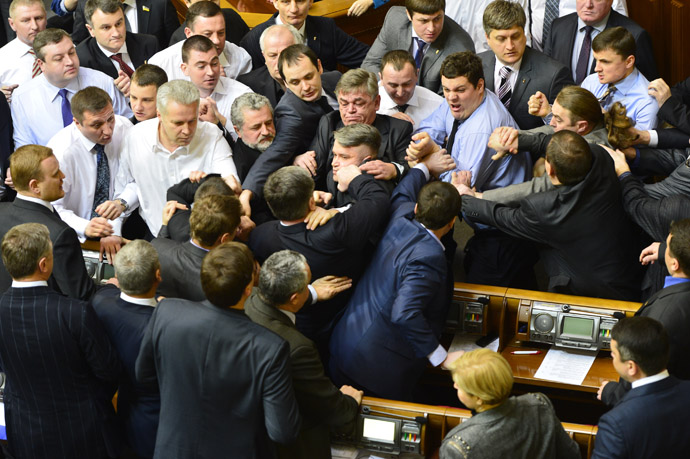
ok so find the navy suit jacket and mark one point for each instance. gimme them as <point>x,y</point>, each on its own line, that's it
<point>180,269</point>
<point>649,422</point>
<point>137,406</point>
<point>140,48</point>
<point>395,316</point>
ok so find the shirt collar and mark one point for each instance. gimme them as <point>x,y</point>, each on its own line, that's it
<point>670,280</point>
<point>131,3</point>
<point>191,241</point>
<point>72,86</point>
<point>599,26</point>
<point>123,50</point>
<point>388,102</point>
<point>158,146</point>
<point>221,87</point>
<point>434,236</point>
<point>23,284</point>
<point>650,379</point>
<point>290,315</point>
<point>627,83</point>
<point>514,67</point>
<point>140,301</point>
<point>88,144</point>
<point>40,201</point>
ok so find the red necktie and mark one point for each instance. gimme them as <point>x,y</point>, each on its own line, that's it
<point>124,67</point>
<point>36,69</point>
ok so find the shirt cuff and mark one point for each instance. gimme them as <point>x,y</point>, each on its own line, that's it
<point>653,138</point>
<point>314,296</point>
<point>422,167</point>
<point>343,208</point>
<point>437,357</point>
<point>62,9</point>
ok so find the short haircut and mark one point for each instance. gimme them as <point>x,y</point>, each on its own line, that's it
<point>136,264</point>
<point>196,43</point>
<point>679,247</point>
<point>438,203</point>
<point>282,275</point>
<point>106,6</point>
<point>570,156</point>
<point>288,191</point>
<point>425,6</point>
<point>213,185</point>
<point>581,104</point>
<point>212,216</point>
<point>465,64</point>
<point>618,125</point>
<point>25,165</point>
<point>203,9</point>
<point>23,247</point>
<point>181,91</point>
<point>485,374</point>
<point>48,37</point>
<point>90,99</point>
<point>225,272</point>
<point>247,101</point>
<point>148,75</point>
<point>503,15</point>
<point>293,54</point>
<point>355,135</point>
<point>644,341</point>
<point>397,59</point>
<point>276,28</point>
<point>17,3</point>
<point>358,80</point>
<point>618,40</point>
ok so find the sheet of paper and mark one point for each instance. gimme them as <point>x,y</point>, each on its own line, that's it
<point>566,366</point>
<point>465,342</point>
<point>3,434</point>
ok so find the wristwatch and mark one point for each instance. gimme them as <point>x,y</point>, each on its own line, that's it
<point>124,204</point>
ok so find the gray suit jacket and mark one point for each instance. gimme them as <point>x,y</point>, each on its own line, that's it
<point>396,33</point>
<point>180,269</point>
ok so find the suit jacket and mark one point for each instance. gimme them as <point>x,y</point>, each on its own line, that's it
<point>589,246</point>
<point>6,141</point>
<point>154,17</point>
<point>538,72</point>
<point>137,406</point>
<point>324,37</point>
<point>216,400</point>
<point>140,48</point>
<point>322,405</point>
<point>244,158</point>
<point>648,422</point>
<point>57,405</point>
<point>261,82</point>
<point>69,271</point>
<point>560,42</point>
<point>676,110</point>
<point>235,28</point>
<point>396,313</point>
<point>396,33</point>
<point>180,269</point>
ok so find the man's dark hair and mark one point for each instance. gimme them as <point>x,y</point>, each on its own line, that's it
<point>679,247</point>
<point>48,37</point>
<point>225,272</point>
<point>203,9</point>
<point>149,74</point>
<point>212,216</point>
<point>581,104</point>
<point>397,59</point>
<point>23,247</point>
<point>618,40</point>
<point>644,341</point>
<point>288,191</point>
<point>292,54</point>
<point>196,43</point>
<point>213,185</point>
<point>90,99</point>
<point>570,156</point>
<point>465,64</point>
<point>425,6</point>
<point>438,204</point>
<point>503,15</point>
<point>106,6</point>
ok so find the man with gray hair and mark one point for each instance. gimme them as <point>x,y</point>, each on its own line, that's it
<point>125,314</point>
<point>162,151</point>
<point>281,293</point>
<point>252,117</point>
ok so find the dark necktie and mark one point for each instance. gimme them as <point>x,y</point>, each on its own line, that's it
<point>323,103</point>
<point>419,55</point>
<point>451,137</point>
<point>582,69</point>
<point>550,13</point>
<point>102,179</point>
<point>606,99</point>
<point>123,65</point>
<point>66,108</point>
<point>402,108</point>
<point>504,91</point>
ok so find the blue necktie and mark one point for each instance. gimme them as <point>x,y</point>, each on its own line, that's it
<point>102,179</point>
<point>419,55</point>
<point>66,108</point>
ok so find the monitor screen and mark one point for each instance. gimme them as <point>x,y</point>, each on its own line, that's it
<point>379,430</point>
<point>578,327</point>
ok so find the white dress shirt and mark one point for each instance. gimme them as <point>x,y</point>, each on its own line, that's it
<point>235,61</point>
<point>130,7</point>
<point>422,104</point>
<point>17,63</point>
<point>124,56</point>
<point>650,379</point>
<point>79,162</point>
<point>140,301</point>
<point>37,106</point>
<point>147,169</point>
<point>225,93</point>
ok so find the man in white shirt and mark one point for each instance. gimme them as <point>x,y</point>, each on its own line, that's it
<point>400,96</point>
<point>89,154</point>
<point>160,152</point>
<point>27,18</point>
<point>205,18</point>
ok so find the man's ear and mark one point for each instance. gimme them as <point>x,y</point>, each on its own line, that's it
<point>227,237</point>
<point>43,265</point>
<point>312,204</point>
<point>630,61</point>
<point>183,67</point>
<point>90,29</point>
<point>377,102</point>
<point>415,209</point>
<point>320,67</point>
<point>159,278</point>
<point>188,32</point>
<point>581,127</point>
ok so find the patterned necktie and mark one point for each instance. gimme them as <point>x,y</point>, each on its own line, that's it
<point>582,69</point>
<point>402,108</point>
<point>102,179</point>
<point>504,91</point>
<point>451,137</point>
<point>123,65</point>
<point>606,99</point>
<point>419,55</point>
<point>36,69</point>
<point>66,108</point>
<point>550,13</point>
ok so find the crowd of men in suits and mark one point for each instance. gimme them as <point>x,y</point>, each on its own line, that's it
<point>282,233</point>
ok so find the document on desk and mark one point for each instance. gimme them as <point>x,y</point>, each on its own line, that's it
<point>566,366</point>
<point>3,433</point>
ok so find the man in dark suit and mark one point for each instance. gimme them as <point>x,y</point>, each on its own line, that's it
<point>424,31</point>
<point>125,314</point>
<point>238,401</point>
<point>570,40</point>
<point>321,34</point>
<point>252,118</point>
<point>650,420</point>
<point>61,369</point>
<point>38,180</point>
<point>235,27</point>
<point>674,103</point>
<point>393,321</point>
<point>512,70</point>
<point>6,147</point>
<point>281,293</point>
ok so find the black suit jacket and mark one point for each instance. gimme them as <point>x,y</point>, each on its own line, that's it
<point>154,17</point>
<point>69,271</point>
<point>676,110</point>
<point>180,269</point>
<point>324,37</point>
<point>137,406</point>
<point>235,28</point>
<point>261,82</point>
<point>322,406</point>
<point>6,141</point>
<point>140,48</point>
<point>560,42</point>
<point>538,72</point>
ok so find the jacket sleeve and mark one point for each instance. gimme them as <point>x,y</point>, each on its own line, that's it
<point>367,214</point>
<point>610,444</point>
<point>519,221</point>
<point>281,414</point>
<point>99,353</point>
<point>513,194</point>
<point>69,271</point>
